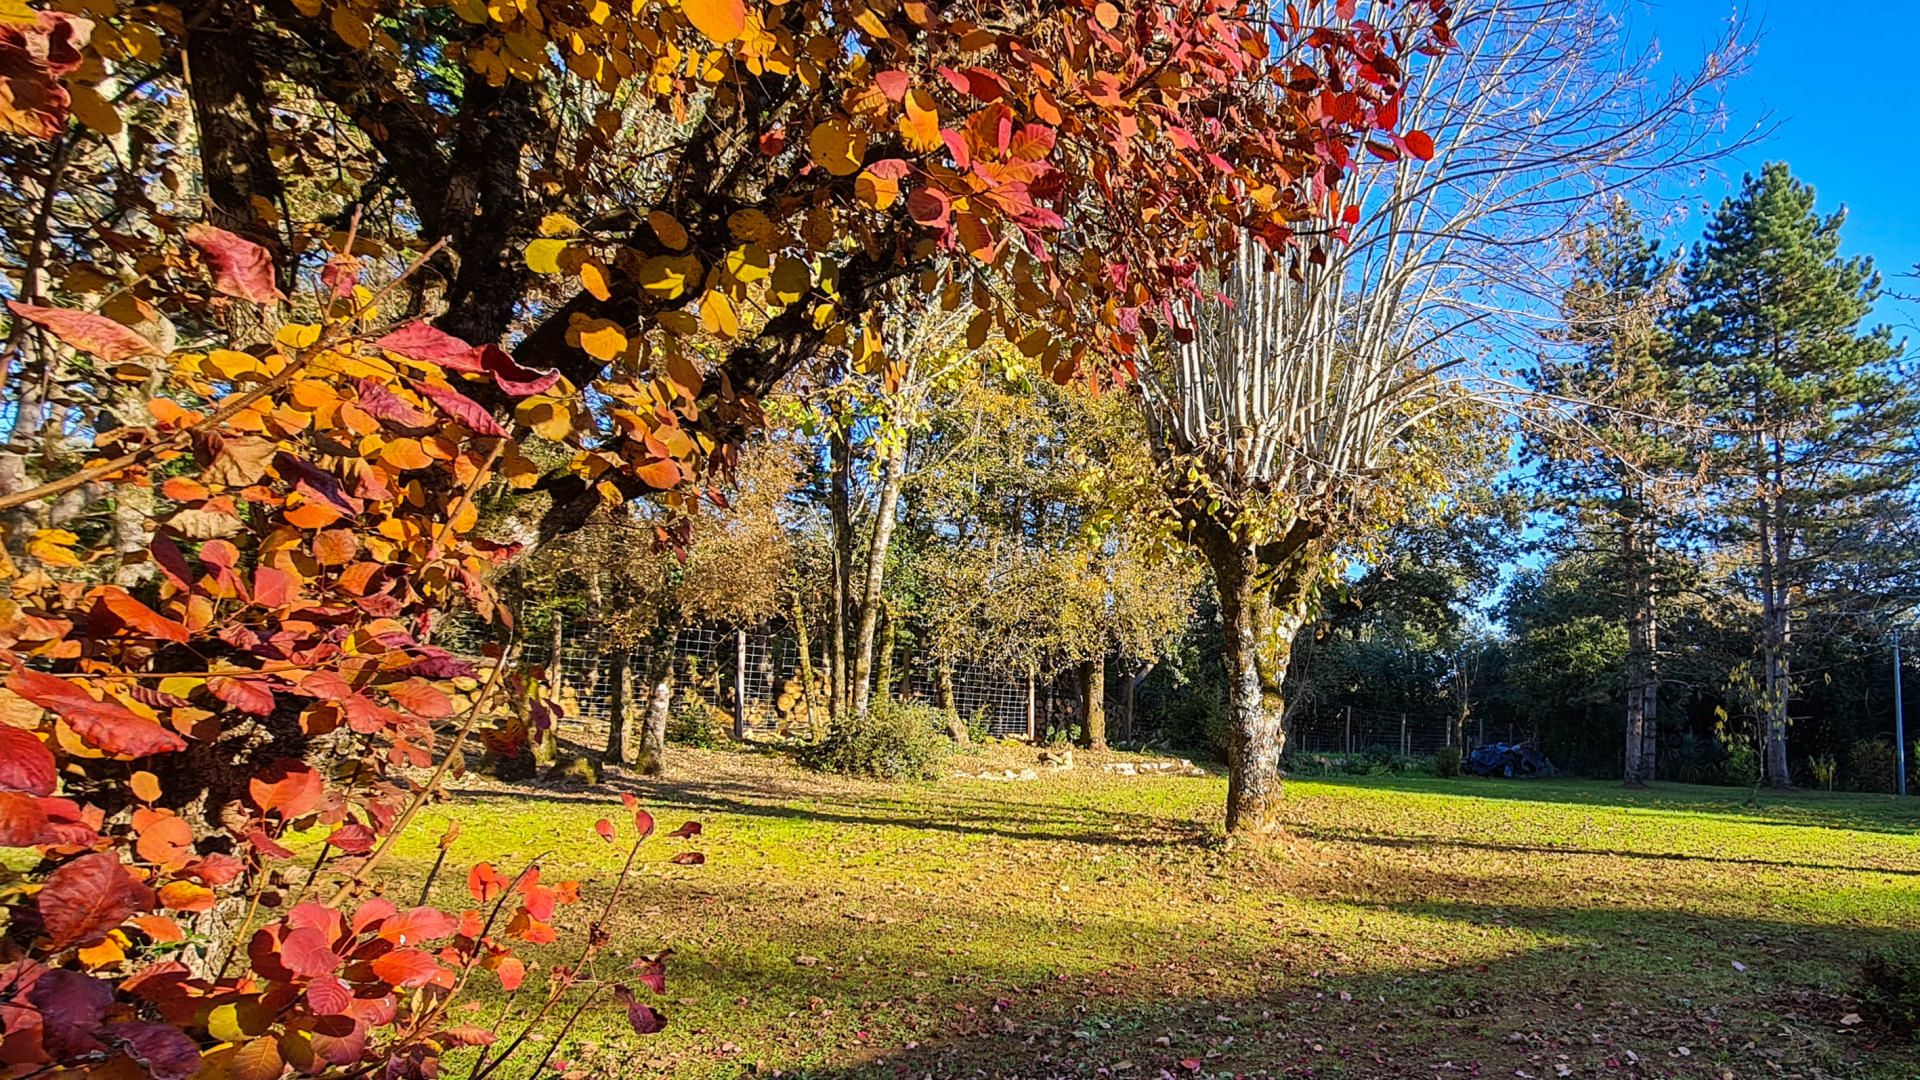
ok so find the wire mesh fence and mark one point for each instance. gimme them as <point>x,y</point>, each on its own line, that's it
<point>758,678</point>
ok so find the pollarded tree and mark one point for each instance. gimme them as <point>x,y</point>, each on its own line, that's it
<point>1814,416</point>
<point>1299,418</point>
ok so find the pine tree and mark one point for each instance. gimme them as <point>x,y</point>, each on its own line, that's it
<point>1619,476</point>
<point>1813,415</point>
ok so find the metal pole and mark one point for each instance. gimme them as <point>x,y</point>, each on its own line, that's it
<point>1349,729</point>
<point>740,685</point>
<point>1899,720</point>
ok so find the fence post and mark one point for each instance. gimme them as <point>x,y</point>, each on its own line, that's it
<point>740,685</point>
<point>1030,733</point>
<point>1349,729</point>
<point>1405,749</point>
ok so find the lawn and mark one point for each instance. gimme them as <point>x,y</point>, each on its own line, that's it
<point>1092,925</point>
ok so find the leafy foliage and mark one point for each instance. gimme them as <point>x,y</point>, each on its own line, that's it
<point>895,741</point>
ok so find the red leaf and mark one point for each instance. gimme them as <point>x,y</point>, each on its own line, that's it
<point>421,924</point>
<point>485,883</point>
<point>352,838</point>
<point>407,967</point>
<point>272,586</point>
<point>1419,144</point>
<point>893,84</point>
<point>266,845</point>
<point>308,953</point>
<point>646,1020</point>
<point>292,787</point>
<point>116,606</point>
<point>603,827</point>
<point>241,267</point>
<point>644,822</point>
<point>103,725</point>
<point>25,762</point>
<point>23,819</point>
<point>341,274</point>
<point>381,403</point>
<point>691,828</point>
<point>508,375</point>
<point>512,972</point>
<point>87,897</point>
<point>165,1050</point>
<point>247,695</point>
<point>464,410</point>
<point>418,341</point>
<point>930,207</point>
<point>422,698</point>
<point>329,996</point>
<point>470,1036</point>
<point>689,858</point>
<point>87,332</point>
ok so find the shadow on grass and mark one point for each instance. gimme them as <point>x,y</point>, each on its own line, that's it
<point>1031,822</point>
<point>1620,992</point>
<point>1801,809</point>
<point>1418,843</point>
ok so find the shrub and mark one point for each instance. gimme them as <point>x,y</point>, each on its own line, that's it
<point>1742,768</point>
<point>1695,760</point>
<point>1870,766</point>
<point>692,723</point>
<point>1446,761</point>
<point>896,741</point>
<point>1197,720</point>
<point>1891,975</point>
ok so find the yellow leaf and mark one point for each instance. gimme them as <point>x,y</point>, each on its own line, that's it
<point>543,256</point>
<point>749,262</point>
<point>559,225</point>
<point>604,341</point>
<point>920,128</point>
<point>95,111</point>
<point>720,20</point>
<point>718,316</point>
<point>876,191</point>
<point>836,147</point>
<point>682,372</point>
<point>593,278</point>
<point>669,275</point>
<point>790,279</point>
<point>670,231</point>
<point>351,27</point>
<point>752,226</point>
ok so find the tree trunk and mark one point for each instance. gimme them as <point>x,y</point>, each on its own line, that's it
<point>619,707</point>
<point>652,758</point>
<point>839,499</point>
<point>807,700</point>
<point>956,724</point>
<point>1259,630</point>
<point>242,183</point>
<point>1133,690</point>
<point>883,521</point>
<point>1640,689</point>
<point>1093,693</point>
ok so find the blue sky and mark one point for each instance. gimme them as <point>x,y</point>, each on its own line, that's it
<point>1836,80</point>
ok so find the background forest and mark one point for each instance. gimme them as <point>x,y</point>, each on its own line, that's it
<point>968,513</point>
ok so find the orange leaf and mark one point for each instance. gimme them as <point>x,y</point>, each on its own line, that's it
<point>145,785</point>
<point>116,605</point>
<point>720,20</point>
<point>921,126</point>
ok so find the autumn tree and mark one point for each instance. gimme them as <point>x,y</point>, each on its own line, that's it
<point>296,284</point>
<point>1295,421</point>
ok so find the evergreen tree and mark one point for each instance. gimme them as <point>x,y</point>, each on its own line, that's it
<point>1813,416</point>
<point>1619,476</point>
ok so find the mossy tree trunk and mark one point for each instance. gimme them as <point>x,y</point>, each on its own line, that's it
<point>1093,709</point>
<point>652,758</point>
<point>620,707</point>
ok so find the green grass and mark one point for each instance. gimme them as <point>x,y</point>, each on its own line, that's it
<point>1089,925</point>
